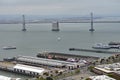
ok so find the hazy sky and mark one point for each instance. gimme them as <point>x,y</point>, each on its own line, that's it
<point>60,7</point>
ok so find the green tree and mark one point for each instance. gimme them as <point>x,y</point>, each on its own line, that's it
<point>40,78</point>
<point>46,73</point>
<point>90,68</point>
<point>56,71</point>
<point>77,71</point>
<point>49,78</point>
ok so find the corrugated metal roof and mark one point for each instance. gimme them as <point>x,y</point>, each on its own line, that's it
<point>8,78</point>
<point>29,68</point>
<point>4,78</point>
<point>43,61</point>
<point>101,77</point>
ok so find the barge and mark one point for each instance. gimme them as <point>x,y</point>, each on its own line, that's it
<point>9,47</point>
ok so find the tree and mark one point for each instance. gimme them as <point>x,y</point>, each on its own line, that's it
<point>46,73</point>
<point>91,68</point>
<point>40,78</point>
<point>56,71</point>
<point>49,78</point>
<point>77,71</point>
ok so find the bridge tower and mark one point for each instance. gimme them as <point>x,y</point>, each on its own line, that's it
<point>24,29</point>
<point>55,26</point>
<point>92,29</point>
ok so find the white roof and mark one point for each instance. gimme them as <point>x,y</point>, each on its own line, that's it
<point>29,68</point>
<point>103,69</point>
<point>7,78</point>
<point>43,61</point>
<point>109,67</point>
<point>4,78</point>
<point>101,77</point>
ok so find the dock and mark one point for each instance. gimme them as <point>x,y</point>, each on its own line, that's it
<point>65,56</point>
<point>93,50</point>
<point>38,66</point>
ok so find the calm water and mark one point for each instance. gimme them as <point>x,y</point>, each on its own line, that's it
<point>39,38</point>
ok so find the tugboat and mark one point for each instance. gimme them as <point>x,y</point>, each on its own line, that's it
<point>9,47</point>
<point>101,46</point>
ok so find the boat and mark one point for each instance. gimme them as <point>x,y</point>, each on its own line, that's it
<point>9,47</point>
<point>114,43</point>
<point>115,46</point>
<point>101,46</point>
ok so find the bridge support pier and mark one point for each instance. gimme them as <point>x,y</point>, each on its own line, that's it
<point>24,28</point>
<point>91,29</point>
<point>55,26</point>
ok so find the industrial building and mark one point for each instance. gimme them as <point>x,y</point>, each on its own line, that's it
<point>101,77</point>
<point>21,69</point>
<point>28,69</point>
<point>107,68</point>
<point>8,78</point>
<point>47,62</point>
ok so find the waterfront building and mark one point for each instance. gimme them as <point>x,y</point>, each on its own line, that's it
<point>112,70</point>
<point>8,78</point>
<point>101,77</point>
<point>28,69</point>
<point>21,68</point>
<point>46,62</point>
<point>107,68</point>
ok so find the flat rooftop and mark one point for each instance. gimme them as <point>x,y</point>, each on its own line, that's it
<point>66,55</point>
<point>29,68</point>
<point>101,77</point>
<point>6,64</point>
<point>110,67</point>
<point>43,61</point>
<point>8,78</point>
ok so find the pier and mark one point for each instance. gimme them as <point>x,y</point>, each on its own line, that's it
<point>37,66</point>
<point>46,62</point>
<point>65,56</point>
<point>92,50</point>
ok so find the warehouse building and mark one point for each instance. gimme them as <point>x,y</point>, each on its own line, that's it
<point>47,62</point>
<point>21,69</point>
<point>101,77</point>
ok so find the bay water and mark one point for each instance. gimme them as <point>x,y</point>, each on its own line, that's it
<point>40,38</point>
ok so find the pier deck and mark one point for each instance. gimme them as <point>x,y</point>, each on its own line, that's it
<point>92,50</point>
<point>4,64</point>
<point>64,56</point>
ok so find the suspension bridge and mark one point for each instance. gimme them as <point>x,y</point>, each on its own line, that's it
<point>55,24</point>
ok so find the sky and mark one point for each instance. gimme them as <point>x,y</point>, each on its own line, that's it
<point>60,7</point>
